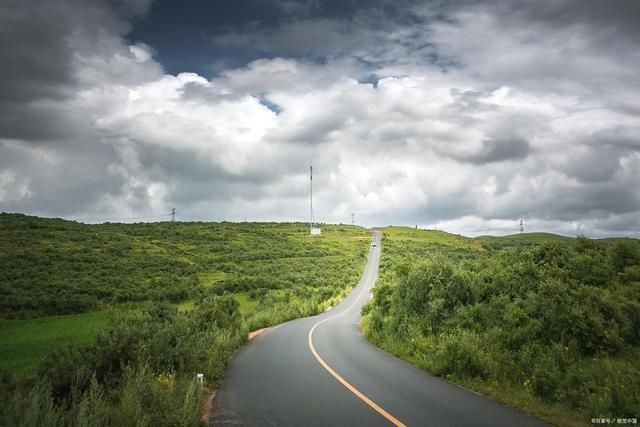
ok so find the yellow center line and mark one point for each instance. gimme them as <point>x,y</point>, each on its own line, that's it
<point>337,376</point>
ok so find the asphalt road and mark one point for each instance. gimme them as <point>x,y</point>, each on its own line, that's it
<point>321,371</point>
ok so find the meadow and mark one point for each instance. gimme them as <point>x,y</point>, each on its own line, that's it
<point>23,343</point>
<point>108,324</point>
<point>546,323</point>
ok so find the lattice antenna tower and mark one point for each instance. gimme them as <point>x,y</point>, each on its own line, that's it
<point>311,220</point>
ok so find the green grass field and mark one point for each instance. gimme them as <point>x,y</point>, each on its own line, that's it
<point>247,304</point>
<point>209,279</point>
<point>430,236</point>
<point>23,343</point>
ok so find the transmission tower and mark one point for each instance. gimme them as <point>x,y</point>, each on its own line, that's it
<point>353,216</point>
<point>521,225</point>
<point>173,215</point>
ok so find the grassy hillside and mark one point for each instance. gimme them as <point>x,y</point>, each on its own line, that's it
<point>521,239</point>
<point>52,266</point>
<point>146,307</point>
<point>547,323</point>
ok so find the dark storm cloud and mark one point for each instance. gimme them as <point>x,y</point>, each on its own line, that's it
<point>34,50</point>
<point>568,46</point>
<point>466,113</point>
<point>622,137</point>
<point>598,157</point>
<point>165,163</point>
<point>617,19</point>
<point>208,37</point>
<point>598,200</point>
<point>17,121</point>
<point>597,164</point>
<point>314,131</point>
<point>51,157</point>
<point>499,150</point>
<point>60,182</point>
<point>621,223</point>
<point>36,42</point>
<point>372,32</point>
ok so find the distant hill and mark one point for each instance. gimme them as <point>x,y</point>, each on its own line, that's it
<point>438,237</point>
<point>520,239</point>
<point>527,236</point>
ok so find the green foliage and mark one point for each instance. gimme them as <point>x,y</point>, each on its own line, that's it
<point>460,355</point>
<point>555,318</point>
<point>276,270</point>
<point>624,253</point>
<point>141,369</point>
<point>52,266</point>
<point>521,240</point>
<point>186,295</point>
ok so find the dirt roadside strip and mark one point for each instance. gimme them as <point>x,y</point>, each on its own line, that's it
<point>257,332</point>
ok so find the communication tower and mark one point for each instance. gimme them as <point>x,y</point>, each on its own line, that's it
<point>313,230</point>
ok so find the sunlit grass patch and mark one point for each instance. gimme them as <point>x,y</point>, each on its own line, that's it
<point>247,304</point>
<point>209,279</point>
<point>23,343</point>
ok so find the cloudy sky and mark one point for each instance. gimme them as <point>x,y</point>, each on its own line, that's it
<point>459,115</point>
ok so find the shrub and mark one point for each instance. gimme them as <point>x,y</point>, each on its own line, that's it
<point>461,354</point>
<point>558,320</point>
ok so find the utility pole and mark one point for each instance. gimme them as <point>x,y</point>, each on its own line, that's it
<point>521,225</point>
<point>173,215</point>
<point>353,215</point>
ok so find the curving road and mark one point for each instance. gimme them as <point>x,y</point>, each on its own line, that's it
<point>321,371</point>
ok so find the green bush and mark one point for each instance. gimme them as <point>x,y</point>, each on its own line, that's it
<point>460,354</point>
<point>52,266</point>
<point>555,318</point>
<point>624,253</point>
<point>141,370</point>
